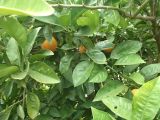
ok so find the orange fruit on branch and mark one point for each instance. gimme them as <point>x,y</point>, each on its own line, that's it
<point>49,45</point>
<point>82,49</point>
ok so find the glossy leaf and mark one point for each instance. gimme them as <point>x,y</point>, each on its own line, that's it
<point>104,44</point>
<point>97,56</point>
<point>119,105</point>
<point>137,77</point>
<point>131,59</point>
<point>31,39</point>
<point>8,88</point>
<point>13,53</point>
<point>42,73</point>
<point>12,26</point>
<point>25,7</point>
<point>112,88</point>
<point>112,17</point>
<point>65,63</point>
<point>20,112</point>
<point>90,19</point>
<point>82,72</point>
<point>146,101</point>
<point>98,74</point>
<point>7,70</point>
<point>21,74</point>
<point>100,115</point>
<point>41,55</point>
<point>4,115</point>
<point>150,70</point>
<point>61,20</point>
<point>126,48</point>
<point>33,105</point>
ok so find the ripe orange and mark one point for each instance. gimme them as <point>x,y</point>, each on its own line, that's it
<point>108,50</point>
<point>134,91</point>
<point>82,49</point>
<point>50,45</point>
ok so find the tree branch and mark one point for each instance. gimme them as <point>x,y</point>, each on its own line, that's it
<point>140,8</point>
<point>150,18</point>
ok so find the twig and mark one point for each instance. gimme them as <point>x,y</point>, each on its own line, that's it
<point>140,8</point>
<point>150,18</point>
<point>13,105</point>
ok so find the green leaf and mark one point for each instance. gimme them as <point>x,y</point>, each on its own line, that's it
<point>20,112</point>
<point>112,17</point>
<point>89,19</point>
<point>146,101</point>
<point>137,77</point>
<point>33,105</point>
<point>101,115</point>
<point>22,74</point>
<point>4,115</point>
<point>120,106</point>
<point>98,74</point>
<point>61,20</point>
<point>150,70</point>
<point>42,73</point>
<point>82,72</point>
<point>131,59</point>
<point>12,26</point>
<point>13,53</point>
<point>8,88</point>
<point>40,55</point>
<point>25,7</point>
<point>31,39</point>
<point>48,32</point>
<point>65,63</point>
<point>7,70</point>
<point>126,48</point>
<point>104,44</point>
<point>97,56</point>
<point>112,88</point>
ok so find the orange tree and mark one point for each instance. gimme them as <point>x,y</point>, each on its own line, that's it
<point>79,59</point>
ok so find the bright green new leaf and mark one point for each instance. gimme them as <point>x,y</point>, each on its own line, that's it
<point>126,48</point>
<point>33,105</point>
<point>137,77</point>
<point>25,7</point>
<point>146,101</point>
<point>82,72</point>
<point>7,70</point>
<point>120,106</point>
<point>112,88</point>
<point>13,53</point>
<point>131,59</point>
<point>42,73</point>
<point>97,56</point>
<point>101,115</point>
<point>98,74</point>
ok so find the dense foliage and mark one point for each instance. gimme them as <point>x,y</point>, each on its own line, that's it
<point>79,59</point>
